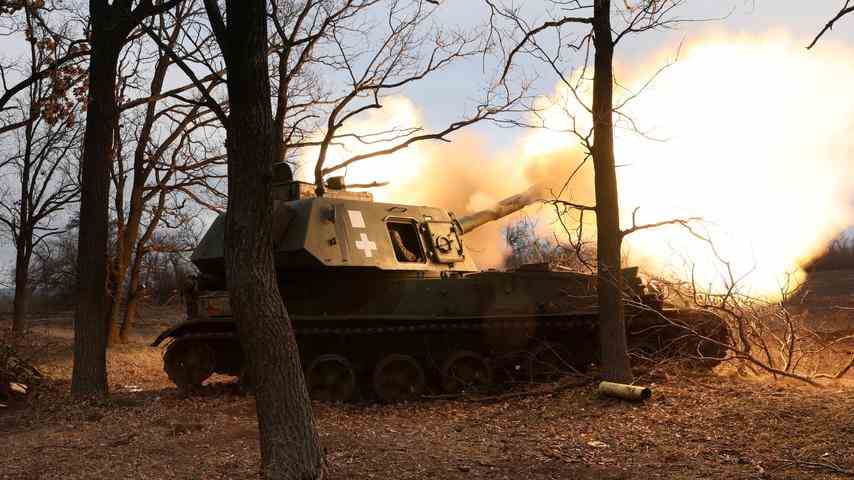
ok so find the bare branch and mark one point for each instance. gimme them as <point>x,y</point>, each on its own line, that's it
<point>684,222</point>
<point>845,10</point>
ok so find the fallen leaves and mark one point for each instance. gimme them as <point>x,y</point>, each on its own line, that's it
<point>694,427</point>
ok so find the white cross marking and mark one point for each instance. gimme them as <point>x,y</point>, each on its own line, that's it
<point>366,245</point>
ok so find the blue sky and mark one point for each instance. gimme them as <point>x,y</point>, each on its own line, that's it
<point>801,19</point>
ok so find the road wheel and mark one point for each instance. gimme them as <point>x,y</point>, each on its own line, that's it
<point>398,378</point>
<point>465,370</point>
<point>331,378</point>
<point>188,363</point>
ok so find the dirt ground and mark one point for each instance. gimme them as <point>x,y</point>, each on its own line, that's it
<point>695,426</point>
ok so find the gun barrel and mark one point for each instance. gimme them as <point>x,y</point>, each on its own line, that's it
<point>500,210</point>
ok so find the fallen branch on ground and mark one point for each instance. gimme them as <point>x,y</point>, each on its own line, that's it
<point>817,465</point>
<point>552,389</point>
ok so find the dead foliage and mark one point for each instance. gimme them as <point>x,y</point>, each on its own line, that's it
<point>17,376</point>
<point>712,425</point>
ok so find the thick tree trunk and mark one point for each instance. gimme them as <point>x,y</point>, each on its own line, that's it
<point>290,448</point>
<point>89,376</point>
<point>612,326</point>
<point>21,303</point>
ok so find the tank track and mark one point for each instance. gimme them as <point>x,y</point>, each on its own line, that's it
<point>428,349</point>
<point>428,342</point>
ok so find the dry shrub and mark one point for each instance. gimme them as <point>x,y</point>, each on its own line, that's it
<point>528,247</point>
<point>771,337</point>
<point>17,374</point>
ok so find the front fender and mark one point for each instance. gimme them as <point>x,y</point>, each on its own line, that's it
<point>195,327</point>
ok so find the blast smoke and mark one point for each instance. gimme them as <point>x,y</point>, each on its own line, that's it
<point>758,143</point>
<point>462,177</point>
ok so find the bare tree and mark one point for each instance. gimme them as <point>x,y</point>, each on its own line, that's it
<point>41,164</point>
<point>110,25</point>
<point>182,183</point>
<point>596,43</point>
<point>612,325</point>
<point>290,447</point>
<point>316,39</point>
<point>45,184</point>
<point>308,38</point>
<point>159,138</point>
<point>164,267</point>
<point>49,27</point>
<point>54,265</point>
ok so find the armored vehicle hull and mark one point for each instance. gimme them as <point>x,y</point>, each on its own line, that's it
<point>386,303</point>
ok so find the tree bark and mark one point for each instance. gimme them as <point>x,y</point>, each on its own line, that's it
<point>124,250</point>
<point>117,280</point>
<point>133,299</point>
<point>290,447</point>
<point>136,271</point>
<point>612,327</point>
<point>24,238</point>
<point>21,302</point>
<point>136,268</point>
<point>89,376</point>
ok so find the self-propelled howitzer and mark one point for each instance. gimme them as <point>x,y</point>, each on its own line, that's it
<point>386,302</point>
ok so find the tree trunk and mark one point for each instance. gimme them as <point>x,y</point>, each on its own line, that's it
<point>21,303</point>
<point>612,327</point>
<point>117,280</point>
<point>133,298</point>
<point>89,376</point>
<point>129,232</point>
<point>136,266</point>
<point>290,448</point>
<point>124,250</point>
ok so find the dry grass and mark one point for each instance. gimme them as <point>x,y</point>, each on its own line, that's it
<point>695,426</point>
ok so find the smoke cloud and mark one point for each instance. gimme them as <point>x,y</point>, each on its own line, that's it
<point>757,139</point>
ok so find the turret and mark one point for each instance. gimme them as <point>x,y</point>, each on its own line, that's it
<point>500,210</point>
<point>347,231</point>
